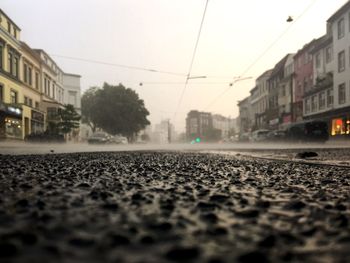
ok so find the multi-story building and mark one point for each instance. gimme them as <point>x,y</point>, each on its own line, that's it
<point>72,96</point>
<point>72,92</point>
<point>52,85</point>
<point>303,76</point>
<point>31,85</point>
<point>200,125</point>
<point>275,84</point>
<point>318,100</point>
<point>339,25</point>
<point>245,115</point>
<point>33,113</point>
<point>164,132</point>
<point>224,125</point>
<point>11,95</point>
<point>285,93</point>
<point>259,101</point>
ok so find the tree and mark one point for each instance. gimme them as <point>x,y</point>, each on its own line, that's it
<point>88,101</point>
<point>116,110</point>
<point>68,119</point>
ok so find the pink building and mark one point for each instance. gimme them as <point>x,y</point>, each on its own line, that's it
<point>303,70</point>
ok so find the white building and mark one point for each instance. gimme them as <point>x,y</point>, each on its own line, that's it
<point>339,26</point>
<point>72,92</point>
<point>259,100</point>
<point>223,124</point>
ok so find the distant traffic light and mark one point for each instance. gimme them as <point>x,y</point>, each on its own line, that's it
<point>198,140</point>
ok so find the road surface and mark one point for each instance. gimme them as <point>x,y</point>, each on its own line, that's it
<point>172,206</point>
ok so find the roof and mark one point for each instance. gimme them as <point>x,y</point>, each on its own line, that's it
<point>2,12</point>
<point>38,50</point>
<point>321,43</point>
<point>306,47</point>
<point>30,50</point>
<point>339,12</point>
<point>279,66</point>
<point>266,74</point>
<point>73,75</point>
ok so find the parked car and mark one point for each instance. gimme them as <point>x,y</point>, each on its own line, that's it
<point>118,140</point>
<point>259,135</point>
<point>277,135</point>
<point>244,137</point>
<point>308,131</point>
<point>99,138</point>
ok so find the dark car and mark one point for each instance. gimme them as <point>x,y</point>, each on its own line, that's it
<point>99,138</point>
<point>45,137</point>
<point>309,131</point>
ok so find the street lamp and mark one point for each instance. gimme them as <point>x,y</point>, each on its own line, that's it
<point>239,79</point>
<point>196,77</point>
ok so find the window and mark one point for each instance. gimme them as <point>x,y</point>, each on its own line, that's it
<point>341,61</point>
<point>1,93</point>
<point>53,90</point>
<point>314,103</point>
<point>341,93</point>
<point>13,63</point>
<point>15,32</point>
<point>25,76</point>
<point>30,76</point>
<point>25,100</point>
<point>37,105</point>
<point>1,56</point>
<point>329,54</point>
<point>318,60</point>
<point>341,30</point>
<point>72,98</point>
<point>321,100</point>
<point>307,105</point>
<point>283,91</point>
<point>329,98</point>
<point>13,96</point>
<point>30,102</point>
<point>36,80</point>
<point>48,87</point>
<point>15,67</point>
<point>9,27</point>
<point>10,62</point>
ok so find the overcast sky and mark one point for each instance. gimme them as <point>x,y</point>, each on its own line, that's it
<point>161,35</point>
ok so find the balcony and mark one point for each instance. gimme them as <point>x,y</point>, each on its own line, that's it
<point>322,82</point>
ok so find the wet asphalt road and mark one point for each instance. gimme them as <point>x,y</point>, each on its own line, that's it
<point>171,207</point>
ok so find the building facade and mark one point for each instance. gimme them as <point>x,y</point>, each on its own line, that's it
<point>260,100</point>
<point>199,125</point>
<point>31,85</point>
<point>339,26</point>
<point>11,95</point>
<point>275,83</point>
<point>33,112</point>
<point>245,115</point>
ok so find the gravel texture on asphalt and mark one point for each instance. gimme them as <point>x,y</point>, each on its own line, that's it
<point>171,207</point>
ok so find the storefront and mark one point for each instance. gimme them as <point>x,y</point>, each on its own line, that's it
<point>338,122</point>
<point>37,122</point>
<point>340,126</point>
<point>10,122</point>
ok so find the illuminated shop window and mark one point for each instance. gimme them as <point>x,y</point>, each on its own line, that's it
<point>13,128</point>
<point>341,126</point>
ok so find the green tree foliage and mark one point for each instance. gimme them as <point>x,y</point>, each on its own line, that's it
<point>68,119</point>
<point>88,101</point>
<point>116,110</point>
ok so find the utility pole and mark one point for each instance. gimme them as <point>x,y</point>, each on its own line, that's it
<point>169,132</point>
